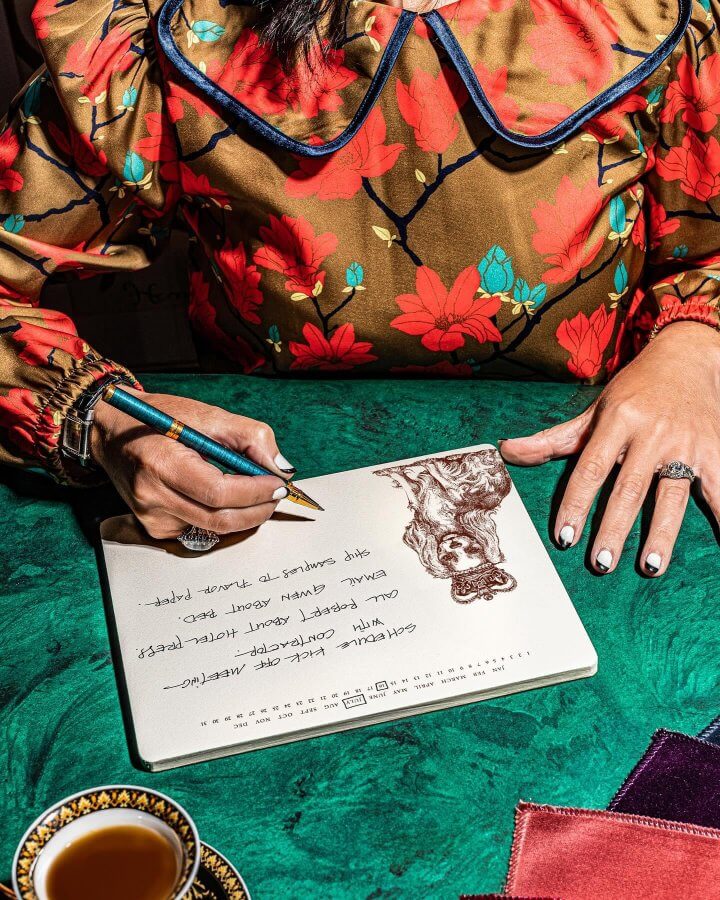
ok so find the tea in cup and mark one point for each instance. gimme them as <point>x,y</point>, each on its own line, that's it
<point>112,842</point>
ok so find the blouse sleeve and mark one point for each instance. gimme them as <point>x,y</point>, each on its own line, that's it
<point>682,189</point>
<point>87,162</point>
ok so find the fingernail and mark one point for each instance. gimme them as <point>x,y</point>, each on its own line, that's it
<point>566,536</point>
<point>284,465</point>
<point>603,560</point>
<point>653,561</point>
<point>281,492</point>
<point>501,441</point>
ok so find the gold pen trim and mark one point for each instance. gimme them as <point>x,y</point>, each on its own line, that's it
<point>175,430</point>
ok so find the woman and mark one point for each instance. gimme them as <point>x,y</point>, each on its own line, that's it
<point>495,187</point>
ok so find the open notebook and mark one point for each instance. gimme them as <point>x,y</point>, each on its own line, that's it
<point>423,585</point>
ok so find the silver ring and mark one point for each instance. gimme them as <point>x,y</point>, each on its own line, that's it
<point>677,469</point>
<point>198,539</point>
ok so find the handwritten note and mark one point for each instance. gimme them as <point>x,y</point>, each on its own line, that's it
<point>424,584</point>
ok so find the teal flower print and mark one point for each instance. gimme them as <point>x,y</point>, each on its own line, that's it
<point>618,218</point>
<point>31,101</point>
<point>354,275</point>
<point>525,296</point>
<point>205,31</point>
<point>496,272</point>
<point>134,175</point>
<point>620,281</point>
<point>129,99</point>
<point>680,252</point>
<point>273,338</point>
<point>14,224</point>
<point>134,170</point>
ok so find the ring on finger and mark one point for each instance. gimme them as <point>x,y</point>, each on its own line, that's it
<point>198,539</point>
<point>677,469</point>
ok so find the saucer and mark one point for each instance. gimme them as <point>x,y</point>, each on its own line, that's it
<point>217,879</point>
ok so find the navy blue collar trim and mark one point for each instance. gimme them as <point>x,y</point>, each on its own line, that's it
<point>568,126</point>
<point>238,112</point>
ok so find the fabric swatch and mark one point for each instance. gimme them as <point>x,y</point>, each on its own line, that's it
<point>678,778</point>
<point>580,854</point>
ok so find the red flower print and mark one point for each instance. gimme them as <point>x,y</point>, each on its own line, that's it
<point>695,164</point>
<point>697,96</point>
<point>195,184</point>
<point>79,151</point>
<point>442,369</point>
<point>660,226</point>
<point>315,83</point>
<point>585,339</point>
<point>384,19</point>
<point>338,353</point>
<point>8,295</point>
<point>10,180</point>
<point>495,84</point>
<point>241,279</point>
<point>572,41</point>
<point>19,412</point>
<point>292,248</point>
<point>41,341</point>
<point>614,122</point>
<point>430,106</point>
<point>179,91</point>
<point>160,145</point>
<point>564,229</point>
<point>203,315</point>
<point>467,16</point>
<point>443,317</point>
<point>99,60</point>
<point>633,331</point>
<point>253,75</point>
<point>42,10</point>
<point>339,176</point>
<point>543,117</point>
<point>639,230</point>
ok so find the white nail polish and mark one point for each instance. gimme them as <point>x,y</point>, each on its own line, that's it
<point>653,561</point>
<point>567,536</point>
<point>280,493</point>
<point>604,560</point>
<point>283,464</point>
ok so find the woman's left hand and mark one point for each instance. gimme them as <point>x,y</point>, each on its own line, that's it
<point>663,406</point>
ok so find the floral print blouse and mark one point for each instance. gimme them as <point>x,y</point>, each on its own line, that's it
<point>523,188</point>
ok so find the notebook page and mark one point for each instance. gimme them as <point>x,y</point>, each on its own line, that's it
<point>423,580</point>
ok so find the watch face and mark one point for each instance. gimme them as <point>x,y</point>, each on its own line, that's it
<point>75,438</point>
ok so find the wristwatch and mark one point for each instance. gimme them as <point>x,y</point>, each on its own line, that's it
<point>75,442</point>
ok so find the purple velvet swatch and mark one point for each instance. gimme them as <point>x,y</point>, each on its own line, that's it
<point>678,779</point>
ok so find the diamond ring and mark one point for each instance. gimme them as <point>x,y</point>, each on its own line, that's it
<point>677,469</point>
<point>198,539</point>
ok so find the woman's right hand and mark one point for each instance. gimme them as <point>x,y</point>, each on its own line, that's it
<point>169,486</point>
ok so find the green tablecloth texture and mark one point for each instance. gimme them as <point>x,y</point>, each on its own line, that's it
<point>419,808</point>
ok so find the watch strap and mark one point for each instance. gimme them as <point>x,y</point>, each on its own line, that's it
<point>75,442</point>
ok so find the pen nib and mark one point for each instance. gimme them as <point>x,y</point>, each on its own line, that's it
<point>297,496</point>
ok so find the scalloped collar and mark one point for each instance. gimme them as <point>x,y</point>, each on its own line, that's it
<point>581,57</point>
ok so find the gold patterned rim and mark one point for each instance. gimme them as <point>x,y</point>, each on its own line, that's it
<point>108,797</point>
<point>217,878</point>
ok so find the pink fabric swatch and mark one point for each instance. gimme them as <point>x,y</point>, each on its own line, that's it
<point>581,854</point>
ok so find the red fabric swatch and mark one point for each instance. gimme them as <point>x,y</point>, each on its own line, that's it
<point>581,854</point>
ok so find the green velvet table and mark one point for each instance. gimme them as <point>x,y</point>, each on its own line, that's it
<point>418,808</point>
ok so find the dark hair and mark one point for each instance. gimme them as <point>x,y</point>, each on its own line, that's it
<point>292,27</point>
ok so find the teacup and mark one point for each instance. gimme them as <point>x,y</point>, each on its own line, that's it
<point>92,811</point>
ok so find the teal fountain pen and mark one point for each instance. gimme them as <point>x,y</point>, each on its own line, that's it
<point>184,434</point>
